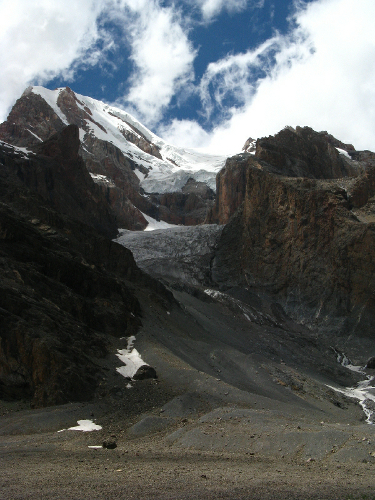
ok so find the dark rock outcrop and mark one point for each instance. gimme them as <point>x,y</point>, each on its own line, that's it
<point>307,241</point>
<point>65,289</point>
<point>59,301</point>
<point>30,122</point>
<point>57,173</point>
<point>305,153</point>
<point>292,153</point>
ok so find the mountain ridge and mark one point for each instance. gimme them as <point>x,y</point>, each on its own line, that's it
<point>142,170</point>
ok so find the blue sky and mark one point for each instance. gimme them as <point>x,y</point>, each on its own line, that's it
<point>202,73</point>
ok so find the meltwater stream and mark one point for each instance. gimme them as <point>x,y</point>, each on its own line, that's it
<point>364,391</point>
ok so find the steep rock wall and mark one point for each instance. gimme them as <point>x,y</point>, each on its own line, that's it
<point>299,239</point>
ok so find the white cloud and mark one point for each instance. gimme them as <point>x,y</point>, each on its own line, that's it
<point>162,55</point>
<point>39,40</point>
<point>188,132</point>
<point>323,77</point>
<point>235,76</point>
<point>49,38</point>
<point>211,8</point>
<point>321,74</point>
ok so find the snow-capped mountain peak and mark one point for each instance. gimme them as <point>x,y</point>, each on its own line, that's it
<point>138,172</point>
<point>159,166</point>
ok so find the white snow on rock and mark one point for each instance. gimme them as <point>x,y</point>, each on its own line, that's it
<point>131,358</point>
<point>154,224</point>
<point>50,96</point>
<point>84,426</point>
<point>102,179</point>
<point>343,152</point>
<point>164,175</point>
<point>24,152</point>
<point>36,136</point>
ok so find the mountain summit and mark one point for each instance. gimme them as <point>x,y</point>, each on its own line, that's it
<point>138,171</point>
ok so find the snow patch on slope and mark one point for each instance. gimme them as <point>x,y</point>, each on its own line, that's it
<point>23,152</point>
<point>343,152</point>
<point>50,96</point>
<point>84,426</point>
<point>131,358</point>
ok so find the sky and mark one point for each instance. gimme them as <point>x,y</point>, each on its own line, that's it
<point>203,74</point>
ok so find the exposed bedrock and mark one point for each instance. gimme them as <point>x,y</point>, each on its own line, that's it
<point>58,174</point>
<point>305,153</point>
<point>291,153</point>
<point>306,242</point>
<point>59,300</point>
<point>65,289</point>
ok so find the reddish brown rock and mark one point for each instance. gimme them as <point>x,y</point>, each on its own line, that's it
<point>230,188</point>
<point>30,122</point>
<point>291,153</point>
<point>298,239</point>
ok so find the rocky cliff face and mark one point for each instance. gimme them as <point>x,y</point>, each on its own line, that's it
<point>57,173</point>
<point>305,153</point>
<point>230,188</point>
<point>58,305</point>
<point>305,240</point>
<point>65,288</point>
<point>30,122</point>
<point>291,153</point>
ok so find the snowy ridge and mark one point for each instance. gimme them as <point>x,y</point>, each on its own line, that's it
<point>164,175</point>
